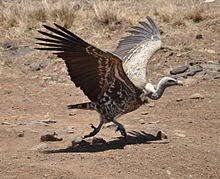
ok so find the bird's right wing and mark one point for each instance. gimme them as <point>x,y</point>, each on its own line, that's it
<point>90,68</point>
<point>148,33</point>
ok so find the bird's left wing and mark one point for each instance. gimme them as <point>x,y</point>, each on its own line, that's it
<point>90,68</point>
<point>146,35</point>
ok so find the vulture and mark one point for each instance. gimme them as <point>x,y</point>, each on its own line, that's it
<point>114,82</point>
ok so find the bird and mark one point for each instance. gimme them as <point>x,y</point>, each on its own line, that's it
<point>114,82</point>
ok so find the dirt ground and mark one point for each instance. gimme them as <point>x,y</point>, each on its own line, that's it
<point>192,149</point>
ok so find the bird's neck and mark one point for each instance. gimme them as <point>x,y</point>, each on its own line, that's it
<point>156,94</point>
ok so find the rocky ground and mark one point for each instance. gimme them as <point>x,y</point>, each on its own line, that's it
<point>40,137</point>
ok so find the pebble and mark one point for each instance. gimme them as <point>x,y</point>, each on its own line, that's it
<point>25,100</point>
<point>20,132</point>
<point>179,70</point>
<point>210,51</point>
<point>68,129</point>
<point>196,96</point>
<point>142,121</point>
<point>40,146</point>
<point>33,122</point>
<point>161,135</point>
<point>199,36</point>
<point>168,172</point>
<point>151,105</point>
<point>179,99</point>
<point>39,66</point>
<point>194,71</point>
<point>50,136</point>
<point>89,141</point>
<point>72,114</point>
<point>194,63</point>
<point>76,141</point>
<point>5,123</point>
<point>15,53</point>
<point>8,45</point>
<point>144,113</point>
<point>215,67</point>
<point>217,76</point>
<point>49,120</point>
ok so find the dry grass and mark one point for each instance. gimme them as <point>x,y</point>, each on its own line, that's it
<point>19,18</point>
<point>110,14</point>
<point>22,19</point>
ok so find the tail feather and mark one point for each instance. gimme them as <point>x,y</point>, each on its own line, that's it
<point>85,106</point>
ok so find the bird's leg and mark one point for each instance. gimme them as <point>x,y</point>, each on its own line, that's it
<point>95,131</point>
<point>120,128</point>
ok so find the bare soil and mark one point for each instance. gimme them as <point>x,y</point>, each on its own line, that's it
<point>192,149</point>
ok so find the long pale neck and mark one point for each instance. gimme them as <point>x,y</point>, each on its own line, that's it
<point>156,94</point>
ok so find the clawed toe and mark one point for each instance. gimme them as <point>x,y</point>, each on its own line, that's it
<point>95,131</point>
<point>122,131</point>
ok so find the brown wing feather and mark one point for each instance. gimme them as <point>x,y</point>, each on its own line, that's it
<point>90,68</point>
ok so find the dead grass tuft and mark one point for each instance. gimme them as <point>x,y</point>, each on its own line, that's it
<point>108,13</point>
<point>18,18</point>
<point>197,15</point>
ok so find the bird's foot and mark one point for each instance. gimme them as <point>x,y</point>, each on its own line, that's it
<point>122,130</point>
<point>94,132</point>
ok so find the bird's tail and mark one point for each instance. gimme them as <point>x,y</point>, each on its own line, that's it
<point>85,106</point>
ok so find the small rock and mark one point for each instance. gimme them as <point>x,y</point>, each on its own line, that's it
<point>179,70</point>
<point>168,172</point>
<point>39,66</point>
<point>8,45</point>
<point>33,122</point>
<point>180,134</point>
<point>210,51</point>
<point>25,100</point>
<point>151,105</point>
<point>40,146</point>
<point>217,76</point>
<point>194,71</point>
<point>144,113</point>
<point>179,99</point>
<point>68,129</point>
<point>88,141</point>
<point>161,135</point>
<point>199,36</point>
<point>215,67</point>
<point>21,135</point>
<point>142,121</point>
<point>194,63</point>
<point>98,141</point>
<point>21,130</point>
<point>5,123</point>
<point>50,136</point>
<point>196,96</point>
<point>200,74</point>
<point>72,114</point>
<point>78,141</point>
<point>49,120</point>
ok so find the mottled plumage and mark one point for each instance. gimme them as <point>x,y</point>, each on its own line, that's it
<point>100,74</point>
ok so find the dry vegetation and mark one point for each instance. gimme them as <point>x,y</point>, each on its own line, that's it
<point>19,19</point>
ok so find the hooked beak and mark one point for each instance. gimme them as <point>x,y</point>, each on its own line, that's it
<point>180,83</point>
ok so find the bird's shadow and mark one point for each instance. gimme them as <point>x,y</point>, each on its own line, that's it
<point>118,143</point>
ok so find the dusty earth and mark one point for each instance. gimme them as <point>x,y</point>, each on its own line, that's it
<point>29,96</point>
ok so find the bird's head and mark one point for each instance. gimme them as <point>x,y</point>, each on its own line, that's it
<point>168,81</point>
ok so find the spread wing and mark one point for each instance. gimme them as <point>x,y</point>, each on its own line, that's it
<point>90,68</point>
<point>148,33</point>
